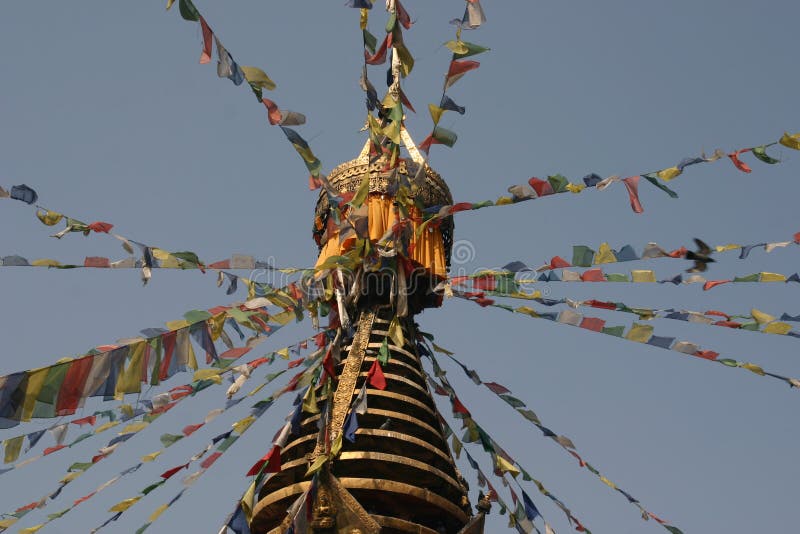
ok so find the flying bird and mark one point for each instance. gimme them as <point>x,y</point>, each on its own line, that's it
<point>702,257</point>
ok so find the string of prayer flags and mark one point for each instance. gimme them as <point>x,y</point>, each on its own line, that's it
<point>239,428</point>
<point>638,333</point>
<point>168,440</point>
<point>257,80</point>
<point>536,187</point>
<point>457,68</point>
<point>565,443</point>
<point>501,460</point>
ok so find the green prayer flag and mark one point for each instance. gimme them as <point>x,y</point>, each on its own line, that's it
<point>195,316</point>
<point>617,277</point>
<point>530,415</point>
<point>558,182</point>
<point>188,11</point>
<point>169,439</point>
<point>469,49</point>
<point>728,362</point>
<point>226,443</point>
<point>79,466</point>
<point>444,136</point>
<point>752,326</point>
<point>749,278</point>
<point>614,330</point>
<point>513,401</point>
<point>760,152</point>
<point>370,41</point>
<point>383,352</point>
<point>653,180</point>
<point>151,487</point>
<point>582,256</point>
<point>46,400</point>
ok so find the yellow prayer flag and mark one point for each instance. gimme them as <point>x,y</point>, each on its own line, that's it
<point>336,447</point>
<point>753,368</point>
<point>8,522</point>
<point>778,328</point>
<point>151,457</point>
<point>177,325</point>
<point>310,401</point>
<point>608,482</point>
<point>124,505</point>
<point>575,188</point>
<point>724,248</point>
<point>604,255</point>
<point>13,446</point>
<point>363,18</point>
<point>105,426</point>
<point>283,353</point>
<point>31,530</point>
<point>243,424</point>
<point>669,174</point>
<point>157,512</point>
<point>442,350</point>
<point>130,378</point>
<point>70,477</point>
<point>317,465</point>
<point>506,466</point>
<point>258,78</point>
<point>169,4</point>
<point>761,317</point>
<point>207,374</point>
<point>284,317</point>
<point>45,262</point>
<point>643,276</point>
<point>640,333</point>
<point>436,113</point>
<point>126,409</point>
<point>134,427</point>
<point>772,277</point>
<point>49,218</point>
<point>247,501</point>
<point>36,378</point>
<point>503,201</point>
<point>396,332</point>
<point>527,311</point>
<point>457,47</point>
<point>792,141</point>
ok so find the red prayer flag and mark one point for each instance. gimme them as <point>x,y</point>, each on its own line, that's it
<point>593,275</point>
<point>729,324</point>
<point>295,363</point>
<point>88,420</point>
<point>205,464</point>
<point>179,392</point>
<point>632,185</point>
<point>797,238</point>
<point>458,407</point>
<point>678,253</point>
<point>739,164</point>
<point>379,57</point>
<point>327,364</point>
<point>497,388</point>
<point>714,283</point>
<point>461,206</point>
<point>425,145</point>
<point>162,409</point>
<point>461,66</point>
<point>273,113</point>
<point>375,376</point>
<point>84,498</point>
<point>706,354</point>
<point>542,187</point>
<point>600,304</point>
<point>69,397</point>
<point>205,56</point>
<point>30,506</point>
<point>235,353</point>
<point>558,262</point>
<point>50,450</point>
<point>269,463</point>
<point>191,429</point>
<point>169,472</point>
<point>402,15</point>
<point>718,314</point>
<point>484,302</point>
<point>594,324</point>
<point>222,264</point>
<point>102,227</point>
<point>485,282</point>
<point>97,261</point>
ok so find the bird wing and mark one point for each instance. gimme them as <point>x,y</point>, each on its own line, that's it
<point>702,248</point>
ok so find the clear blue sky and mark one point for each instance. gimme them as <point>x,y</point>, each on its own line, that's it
<point>106,112</point>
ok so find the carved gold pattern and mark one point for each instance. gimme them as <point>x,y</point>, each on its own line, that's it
<point>402,525</point>
<point>403,460</point>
